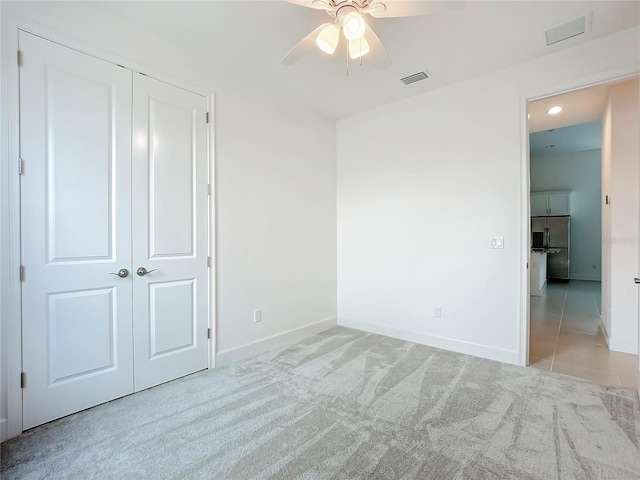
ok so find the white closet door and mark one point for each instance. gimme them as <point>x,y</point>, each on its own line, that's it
<point>170,215</point>
<point>75,124</point>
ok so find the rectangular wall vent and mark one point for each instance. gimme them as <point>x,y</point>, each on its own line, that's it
<point>416,77</point>
<point>568,30</point>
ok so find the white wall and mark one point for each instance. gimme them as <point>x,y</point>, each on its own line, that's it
<point>621,154</point>
<point>422,186</point>
<point>579,172</point>
<point>4,338</point>
<point>275,184</point>
<point>276,196</point>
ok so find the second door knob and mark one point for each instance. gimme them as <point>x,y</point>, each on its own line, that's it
<point>143,271</point>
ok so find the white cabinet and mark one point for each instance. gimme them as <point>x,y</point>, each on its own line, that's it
<point>559,203</point>
<point>539,204</point>
<point>550,203</point>
<point>538,273</point>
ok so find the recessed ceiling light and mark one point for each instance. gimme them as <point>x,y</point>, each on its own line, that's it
<point>554,110</point>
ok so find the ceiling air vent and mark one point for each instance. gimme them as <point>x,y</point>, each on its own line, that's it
<point>416,77</point>
<point>568,30</point>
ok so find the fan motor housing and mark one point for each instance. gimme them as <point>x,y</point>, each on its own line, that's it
<point>346,6</point>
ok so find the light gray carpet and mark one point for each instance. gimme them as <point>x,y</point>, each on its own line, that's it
<point>346,405</point>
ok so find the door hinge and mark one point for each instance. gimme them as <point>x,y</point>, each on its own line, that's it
<point>23,380</point>
<point>22,273</point>
<point>527,265</point>
<point>19,58</point>
<point>207,117</point>
<point>208,189</point>
<point>208,261</point>
<point>208,333</point>
<point>20,166</point>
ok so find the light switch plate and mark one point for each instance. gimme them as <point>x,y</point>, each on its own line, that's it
<point>497,242</point>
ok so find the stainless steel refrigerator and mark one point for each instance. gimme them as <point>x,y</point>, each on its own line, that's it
<point>556,241</point>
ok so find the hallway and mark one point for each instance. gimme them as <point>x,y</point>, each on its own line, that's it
<point>565,336</point>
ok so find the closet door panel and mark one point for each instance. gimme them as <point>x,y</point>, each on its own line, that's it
<point>75,140</point>
<point>171,177</point>
<point>170,223</point>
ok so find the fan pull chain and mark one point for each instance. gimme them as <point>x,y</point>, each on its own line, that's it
<point>361,57</point>
<point>347,62</point>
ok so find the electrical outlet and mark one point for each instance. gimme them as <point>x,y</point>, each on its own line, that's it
<point>595,267</point>
<point>257,316</point>
<point>437,312</point>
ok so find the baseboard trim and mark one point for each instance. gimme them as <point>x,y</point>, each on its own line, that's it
<point>3,429</point>
<point>467,348</point>
<point>588,278</point>
<point>274,341</point>
<point>605,333</point>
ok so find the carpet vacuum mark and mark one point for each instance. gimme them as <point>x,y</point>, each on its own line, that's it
<point>345,404</point>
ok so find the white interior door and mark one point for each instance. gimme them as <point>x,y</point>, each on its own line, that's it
<point>75,127</point>
<point>637,282</point>
<point>170,219</point>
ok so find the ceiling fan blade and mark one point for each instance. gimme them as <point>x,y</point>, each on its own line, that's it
<point>378,54</point>
<point>317,4</point>
<point>412,8</point>
<point>302,47</point>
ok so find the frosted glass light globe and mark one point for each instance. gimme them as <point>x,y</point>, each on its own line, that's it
<point>353,26</point>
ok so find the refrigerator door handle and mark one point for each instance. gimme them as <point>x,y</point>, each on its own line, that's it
<point>546,237</point>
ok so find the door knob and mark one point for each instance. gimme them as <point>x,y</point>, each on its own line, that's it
<point>636,280</point>
<point>143,271</point>
<point>122,273</point>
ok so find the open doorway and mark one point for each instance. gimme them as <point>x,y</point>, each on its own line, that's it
<point>578,319</point>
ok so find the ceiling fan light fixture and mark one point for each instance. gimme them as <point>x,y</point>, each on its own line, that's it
<point>327,39</point>
<point>358,48</point>
<point>353,25</point>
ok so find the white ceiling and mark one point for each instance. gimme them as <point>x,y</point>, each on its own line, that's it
<point>580,106</point>
<point>247,39</point>
<point>577,127</point>
<point>576,138</point>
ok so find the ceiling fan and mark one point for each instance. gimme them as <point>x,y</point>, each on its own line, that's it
<point>349,17</point>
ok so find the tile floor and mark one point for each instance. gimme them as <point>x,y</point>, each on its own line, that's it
<point>565,336</point>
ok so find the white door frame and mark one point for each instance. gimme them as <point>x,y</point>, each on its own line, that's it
<point>10,288</point>
<point>593,80</point>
